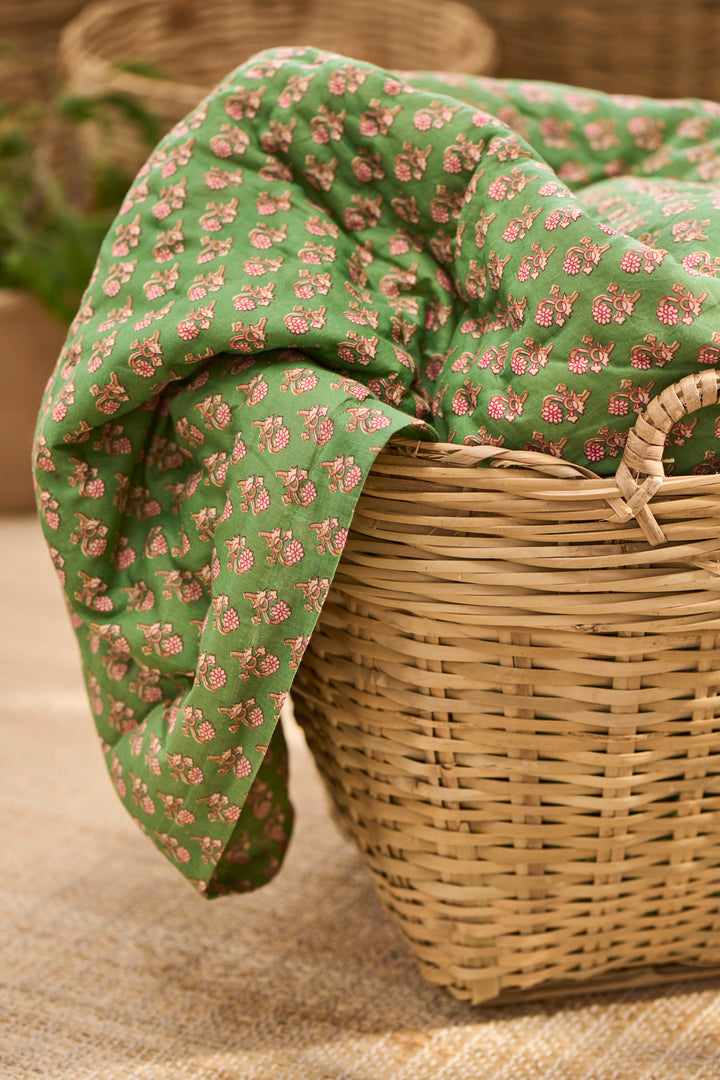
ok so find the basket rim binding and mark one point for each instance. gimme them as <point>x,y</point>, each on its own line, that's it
<point>640,474</point>
<point>82,35</point>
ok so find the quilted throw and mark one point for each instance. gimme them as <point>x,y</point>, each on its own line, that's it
<point>324,254</point>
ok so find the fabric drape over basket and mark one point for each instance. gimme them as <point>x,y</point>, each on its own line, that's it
<point>320,256</point>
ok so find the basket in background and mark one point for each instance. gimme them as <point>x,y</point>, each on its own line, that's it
<point>513,696</point>
<point>660,48</point>
<point>196,45</point>
<point>29,38</point>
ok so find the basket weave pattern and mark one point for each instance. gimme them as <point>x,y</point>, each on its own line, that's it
<point>196,45</point>
<point>513,700</point>
<point>29,37</point>
<point>657,47</point>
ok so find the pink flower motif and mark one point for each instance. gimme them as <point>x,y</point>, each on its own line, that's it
<point>187,330</point>
<point>258,393</point>
<point>572,264</point>
<point>216,180</point>
<point>337,83</point>
<point>269,664</point>
<point>452,162</point>
<point>325,431</point>
<point>280,440</point>
<point>551,412</point>
<point>353,477</point>
<point>239,451</point>
<point>631,262</point>
<point>279,612</point>
<point>242,767</point>
<point>594,451</point>
<point>230,620</point>
<point>216,678</point>
<point>244,561</point>
<point>292,553</point>
<point>172,645</point>
<point>497,189</point>
<point>221,147</point>
<point>667,315</point>
<point>601,313</point>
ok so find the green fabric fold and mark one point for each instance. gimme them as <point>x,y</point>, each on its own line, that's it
<point>322,255</point>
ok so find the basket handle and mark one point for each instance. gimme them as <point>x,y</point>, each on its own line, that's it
<point>640,473</point>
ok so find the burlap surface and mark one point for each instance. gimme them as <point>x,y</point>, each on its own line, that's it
<point>111,968</point>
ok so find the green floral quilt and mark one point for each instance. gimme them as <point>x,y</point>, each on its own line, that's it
<point>324,254</point>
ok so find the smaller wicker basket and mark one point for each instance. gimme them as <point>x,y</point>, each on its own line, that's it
<point>661,48</point>
<point>29,39</point>
<point>196,45</point>
<point>513,695</point>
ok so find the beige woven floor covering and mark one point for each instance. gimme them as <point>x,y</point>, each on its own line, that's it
<point>111,968</point>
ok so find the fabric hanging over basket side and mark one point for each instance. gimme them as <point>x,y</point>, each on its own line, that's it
<point>321,255</point>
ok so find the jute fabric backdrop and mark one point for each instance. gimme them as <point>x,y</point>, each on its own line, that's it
<point>112,968</point>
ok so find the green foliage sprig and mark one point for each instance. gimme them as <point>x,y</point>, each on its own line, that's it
<point>56,200</point>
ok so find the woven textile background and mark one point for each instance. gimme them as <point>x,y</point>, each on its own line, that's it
<point>111,969</point>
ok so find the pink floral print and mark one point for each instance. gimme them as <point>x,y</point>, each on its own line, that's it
<point>322,255</point>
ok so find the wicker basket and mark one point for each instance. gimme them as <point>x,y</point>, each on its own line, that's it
<point>513,695</point>
<point>29,38</point>
<point>196,45</point>
<point>658,47</point>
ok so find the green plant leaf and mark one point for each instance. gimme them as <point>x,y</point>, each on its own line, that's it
<point>51,225</point>
<point>141,67</point>
<point>146,122</point>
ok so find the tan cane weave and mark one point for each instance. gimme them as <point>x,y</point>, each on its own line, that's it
<point>513,698</point>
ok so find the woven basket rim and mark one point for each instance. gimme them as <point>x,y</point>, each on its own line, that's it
<point>523,469</point>
<point>640,474</point>
<point>97,20</point>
